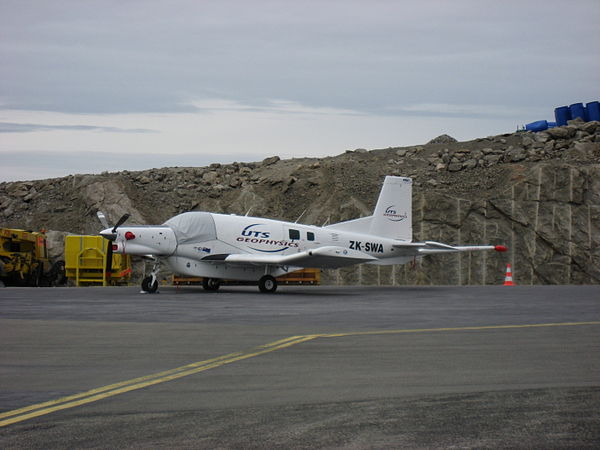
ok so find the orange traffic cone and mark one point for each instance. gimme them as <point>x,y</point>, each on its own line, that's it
<point>508,281</point>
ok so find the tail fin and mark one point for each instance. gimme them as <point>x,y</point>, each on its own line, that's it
<point>393,213</point>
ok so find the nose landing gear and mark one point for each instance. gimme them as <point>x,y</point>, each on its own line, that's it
<point>150,283</point>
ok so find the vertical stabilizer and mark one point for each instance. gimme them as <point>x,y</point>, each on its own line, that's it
<point>393,213</point>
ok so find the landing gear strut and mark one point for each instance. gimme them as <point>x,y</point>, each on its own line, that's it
<point>150,283</point>
<point>211,284</point>
<point>267,284</point>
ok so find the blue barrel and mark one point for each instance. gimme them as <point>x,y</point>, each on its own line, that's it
<point>539,125</point>
<point>551,124</point>
<point>577,110</point>
<point>593,110</point>
<point>562,114</point>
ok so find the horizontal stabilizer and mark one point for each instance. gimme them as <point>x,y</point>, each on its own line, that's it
<point>431,247</point>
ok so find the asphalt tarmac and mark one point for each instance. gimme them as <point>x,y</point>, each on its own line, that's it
<point>307,367</point>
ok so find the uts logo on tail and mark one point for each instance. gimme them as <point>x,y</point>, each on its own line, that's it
<point>391,214</point>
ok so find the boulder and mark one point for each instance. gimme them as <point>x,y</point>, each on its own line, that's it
<point>591,127</point>
<point>443,139</point>
<point>492,159</point>
<point>561,132</point>
<point>271,160</point>
<point>210,177</point>
<point>515,154</point>
<point>55,242</point>
<point>470,164</point>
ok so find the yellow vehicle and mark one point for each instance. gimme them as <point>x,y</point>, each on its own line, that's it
<point>24,259</point>
<point>90,261</point>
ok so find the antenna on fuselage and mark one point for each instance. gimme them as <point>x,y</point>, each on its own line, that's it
<point>300,217</point>
<point>327,221</point>
<point>248,212</point>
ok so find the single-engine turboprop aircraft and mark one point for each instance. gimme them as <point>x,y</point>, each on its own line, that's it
<point>221,246</point>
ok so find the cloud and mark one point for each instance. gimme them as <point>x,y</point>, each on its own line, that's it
<point>277,106</point>
<point>8,127</point>
<point>469,111</point>
<point>86,57</point>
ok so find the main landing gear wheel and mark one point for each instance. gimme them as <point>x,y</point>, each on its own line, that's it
<point>267,284</point>
<point>211,284</point>
<point>150,284</point>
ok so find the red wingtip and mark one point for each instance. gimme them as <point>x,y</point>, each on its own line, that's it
<point>500,248</point>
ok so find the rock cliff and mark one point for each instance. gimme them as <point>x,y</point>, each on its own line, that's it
<point>537,193</point>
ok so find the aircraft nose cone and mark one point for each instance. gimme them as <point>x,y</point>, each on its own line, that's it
<point>108,234</point>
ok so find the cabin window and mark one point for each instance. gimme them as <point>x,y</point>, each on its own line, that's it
<point>310,236</point>
<point>294,234</point>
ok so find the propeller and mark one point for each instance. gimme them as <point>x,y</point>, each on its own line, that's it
<point>120,222</point>
<point>107,233</point>
<point>110,236</point>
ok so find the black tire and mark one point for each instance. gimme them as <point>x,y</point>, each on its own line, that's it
<point>58,275</point>
<point>148,286</point>
<point>36,275</point>
<point>267,284</point>
<point>211,284</point>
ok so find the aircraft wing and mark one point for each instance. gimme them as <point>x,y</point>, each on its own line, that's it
<point>431,247</point>
<point>328,257</point>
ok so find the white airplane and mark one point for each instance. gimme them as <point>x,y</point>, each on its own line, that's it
<point>221,246</point>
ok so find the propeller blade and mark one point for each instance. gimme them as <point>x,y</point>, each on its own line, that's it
<point>102,219</point>
<point>121,221</point>
<point>108,268</point>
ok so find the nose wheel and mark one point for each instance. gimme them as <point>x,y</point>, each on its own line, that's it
<point>150,283</point>
<point>267,284</point>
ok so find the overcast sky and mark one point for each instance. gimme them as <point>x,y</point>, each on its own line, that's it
<point>88,86</point>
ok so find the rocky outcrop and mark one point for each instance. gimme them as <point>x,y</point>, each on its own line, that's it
<point>443,139</point>
<point>538,193</point>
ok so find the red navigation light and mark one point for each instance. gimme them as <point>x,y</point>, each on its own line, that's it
<point>500,248</point>
<point>129,236</point>
<point>115,247</point>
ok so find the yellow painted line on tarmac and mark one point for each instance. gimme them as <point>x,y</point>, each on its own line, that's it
<point>94,395</point>
<point>431,330</point>
<point>110,387</point>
